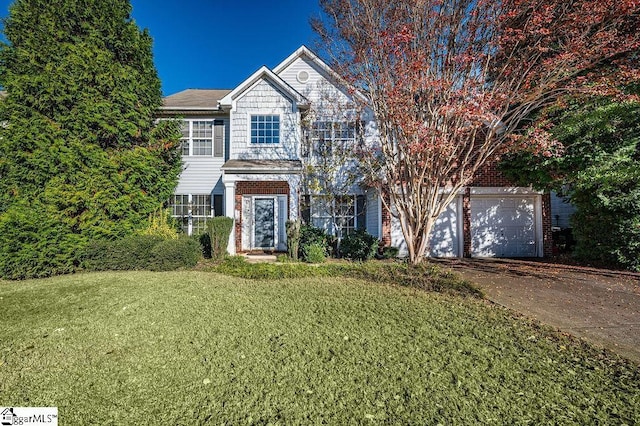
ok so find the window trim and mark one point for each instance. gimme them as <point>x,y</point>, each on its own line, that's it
<point>333,230</point>
<point>188,219</point>
<point>336,127</point>
<point>190,139</point>
<point>263,145</point>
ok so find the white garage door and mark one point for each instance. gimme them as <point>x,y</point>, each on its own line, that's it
<point>503,227</point>
<point>444,235</point>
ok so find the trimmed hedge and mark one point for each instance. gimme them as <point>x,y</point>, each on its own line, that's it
<point>142,252</point>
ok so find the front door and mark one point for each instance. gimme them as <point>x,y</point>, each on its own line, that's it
<point>264,223</point>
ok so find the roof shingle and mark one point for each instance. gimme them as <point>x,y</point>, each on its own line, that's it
<point>195,98</point>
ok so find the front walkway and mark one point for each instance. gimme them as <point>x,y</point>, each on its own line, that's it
<point>600,306</point>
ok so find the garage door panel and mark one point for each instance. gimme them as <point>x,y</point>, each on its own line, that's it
<point>503,227</point>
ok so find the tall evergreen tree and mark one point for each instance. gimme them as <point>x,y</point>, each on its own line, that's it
<point>80,154</point>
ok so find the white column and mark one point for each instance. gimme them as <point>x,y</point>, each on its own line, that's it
<point>230,211</point>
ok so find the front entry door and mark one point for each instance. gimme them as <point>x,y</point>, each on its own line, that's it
<point>264,223</point>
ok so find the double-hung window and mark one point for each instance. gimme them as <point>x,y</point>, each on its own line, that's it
<point>198,209</point>
<point>265,129</point>
<point>343,209</point>
<point>203,138</point>
<point>331,137</point>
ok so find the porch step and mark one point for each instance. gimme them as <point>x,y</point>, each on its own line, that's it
<point>260,257</point>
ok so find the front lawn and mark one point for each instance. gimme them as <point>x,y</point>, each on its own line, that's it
<point>191,347</point>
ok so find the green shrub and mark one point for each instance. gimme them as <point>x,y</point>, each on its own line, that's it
<point>171,254</point>
<point>389,252</point>
<point>161,224</point>
<point>293,238</point>
<point>35,244</point>
<point>218,230</point>
<point>359,245</point>
<point>311,235</point>
<point>205,244</point>
<point>314,253</point>
<point>132,252</point>
<point>141,252</point>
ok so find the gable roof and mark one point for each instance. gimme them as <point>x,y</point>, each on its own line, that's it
<point>308,53</point>
<point>194,99</point>
<point>305,51</point>
<point>266,74</point>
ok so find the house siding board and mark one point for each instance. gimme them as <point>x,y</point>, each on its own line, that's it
<point>373,213</point>
<point>445,240</point>
<point>320,89</point>
<point>264,98</point>
<point>202,174</point>
<point>199,175</point>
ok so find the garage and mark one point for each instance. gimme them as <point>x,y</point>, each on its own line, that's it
<point>445,234</point>
<point>505,226</point>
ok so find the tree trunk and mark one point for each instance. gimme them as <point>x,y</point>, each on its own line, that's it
<point>417,237</point>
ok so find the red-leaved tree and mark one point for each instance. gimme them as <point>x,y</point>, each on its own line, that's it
<point>453,84</point>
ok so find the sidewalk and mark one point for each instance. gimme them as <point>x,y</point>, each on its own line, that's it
<point>600,306</point>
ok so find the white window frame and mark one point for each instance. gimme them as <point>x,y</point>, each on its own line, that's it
<point>250,135</point>
<point>346,229</point>
<point>188,220</point>
<point>190,138</point>
<point>335,130</point>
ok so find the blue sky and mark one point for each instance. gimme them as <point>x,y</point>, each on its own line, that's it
<point>216,44</point>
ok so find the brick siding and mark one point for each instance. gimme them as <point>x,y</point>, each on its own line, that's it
<point>490,176</point>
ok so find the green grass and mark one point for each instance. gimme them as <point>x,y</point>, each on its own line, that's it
<point>195,347</point>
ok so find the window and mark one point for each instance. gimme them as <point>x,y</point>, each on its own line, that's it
<point>265,129</point>
<point>184,127</point>
<point>328,137</point>
<point>203,138</point>
<point>200,211</point>
<point>345,214</point>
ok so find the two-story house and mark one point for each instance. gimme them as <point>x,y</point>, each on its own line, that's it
<point>246,150</point>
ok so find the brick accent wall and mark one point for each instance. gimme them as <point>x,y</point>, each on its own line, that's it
<point>385,241</point>
<point>490,176</point>
<point>255,188</point>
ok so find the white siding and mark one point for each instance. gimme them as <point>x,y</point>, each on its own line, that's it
<point>247,219</point>
<point>373,213</point>
<point>264,98</point>
<point>446,236</point>
<point>201,174</point>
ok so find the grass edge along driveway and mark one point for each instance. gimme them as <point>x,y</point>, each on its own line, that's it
<point>191,347</point>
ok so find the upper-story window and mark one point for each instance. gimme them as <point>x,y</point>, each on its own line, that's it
<point>328,137</point>
<point>265,129</point>
<point>203,138</point>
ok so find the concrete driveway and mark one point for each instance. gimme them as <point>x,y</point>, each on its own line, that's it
<point>600,306</point>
